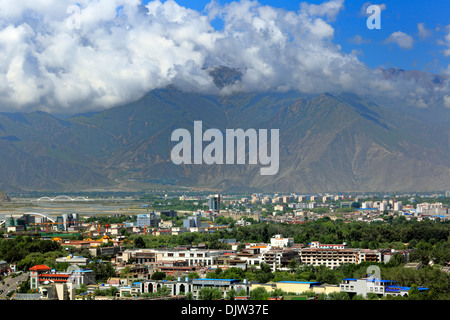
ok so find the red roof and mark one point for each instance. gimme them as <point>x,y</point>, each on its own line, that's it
<point>40,267</point>
<point>56,275</point>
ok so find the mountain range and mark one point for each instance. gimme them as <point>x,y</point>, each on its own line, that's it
<point>328,143</point>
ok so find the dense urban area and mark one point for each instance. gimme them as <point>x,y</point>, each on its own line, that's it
<point>234,247</point>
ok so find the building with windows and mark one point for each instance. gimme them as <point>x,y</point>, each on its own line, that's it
<point>331,258</point>
<point>334,255</point>
<point>194,221</point>
<point>214,202</point>
<point>184,285</point>
<point>192,257</point>
<point>279,259</point>
<point>379,287</point>
<point>147,220</point>
<point>42,275</point>
<point>280,242</point>
<point>317,244</point>
<point>224,285</point>
<point>176,288</point>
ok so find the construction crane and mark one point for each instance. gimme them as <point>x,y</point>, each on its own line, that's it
<point>46,224</point>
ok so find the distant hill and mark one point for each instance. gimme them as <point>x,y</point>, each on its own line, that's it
<point>340,142</point>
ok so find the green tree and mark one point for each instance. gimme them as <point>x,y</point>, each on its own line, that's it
<point>189,296</point>
<point>163,291</point>
<point>125,271</point>
<point>277,293</point>
<point>259,293</point>
<point>139,242</point>
<point>158,275</point>
<point>102,270</point>
<point>338,296</point>
<point>193,275</point>
<point>372,296</point>
<point>210,294</point>
<point>231,294</point>
<point>413,292</point>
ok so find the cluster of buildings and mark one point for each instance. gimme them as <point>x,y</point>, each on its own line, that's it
<point>280,254</point>
<point>21,222</point>
<point>181,262</point>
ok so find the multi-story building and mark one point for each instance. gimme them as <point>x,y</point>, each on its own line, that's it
<point>331,258</point>
<point>280,242</point>
<point>193,257</point>
<point>60,285</point>
<point>379,287</point>
<point>224,285</point>
<point>431,209</point>
<point>192,222</point>
<point>317,244</point>
<point>278,259</point>
<point>334,255</point>
<point>383,206</point>
<point>147,220</point>
<point>214,202</point>
<point>185,285</point>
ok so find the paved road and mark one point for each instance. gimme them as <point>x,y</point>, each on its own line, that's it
<point>11,284</point>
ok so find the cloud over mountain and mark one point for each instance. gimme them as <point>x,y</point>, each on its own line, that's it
<point>122,49</point>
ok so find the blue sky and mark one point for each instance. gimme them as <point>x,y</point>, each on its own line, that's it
<point>398,15</point>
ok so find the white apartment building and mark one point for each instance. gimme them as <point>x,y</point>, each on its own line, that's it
<point>280,242</point>
<point>317,244</point>
<point>278,259</point>
<point>334,255</point>
<point>372,285</point>
<point>193,256</point>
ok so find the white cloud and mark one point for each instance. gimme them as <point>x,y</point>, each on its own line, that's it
<point>122,50</point>
<point>423,32</point>
<point>357,39</point>
<point>363,10</point>
<point>447,101</point>
<point>402,39</point>
<point>329,9</point>
<point>446,42</point>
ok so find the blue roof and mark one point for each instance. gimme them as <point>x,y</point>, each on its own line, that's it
<point>213,279</point>
<point>371,279</point>
<point>399,288</point>
<point>379,280</point>
<point>304,282</point>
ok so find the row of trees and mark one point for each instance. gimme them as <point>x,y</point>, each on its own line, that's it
<point>356,234</point>
<point>431,239</point>
<point>27,252</point>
